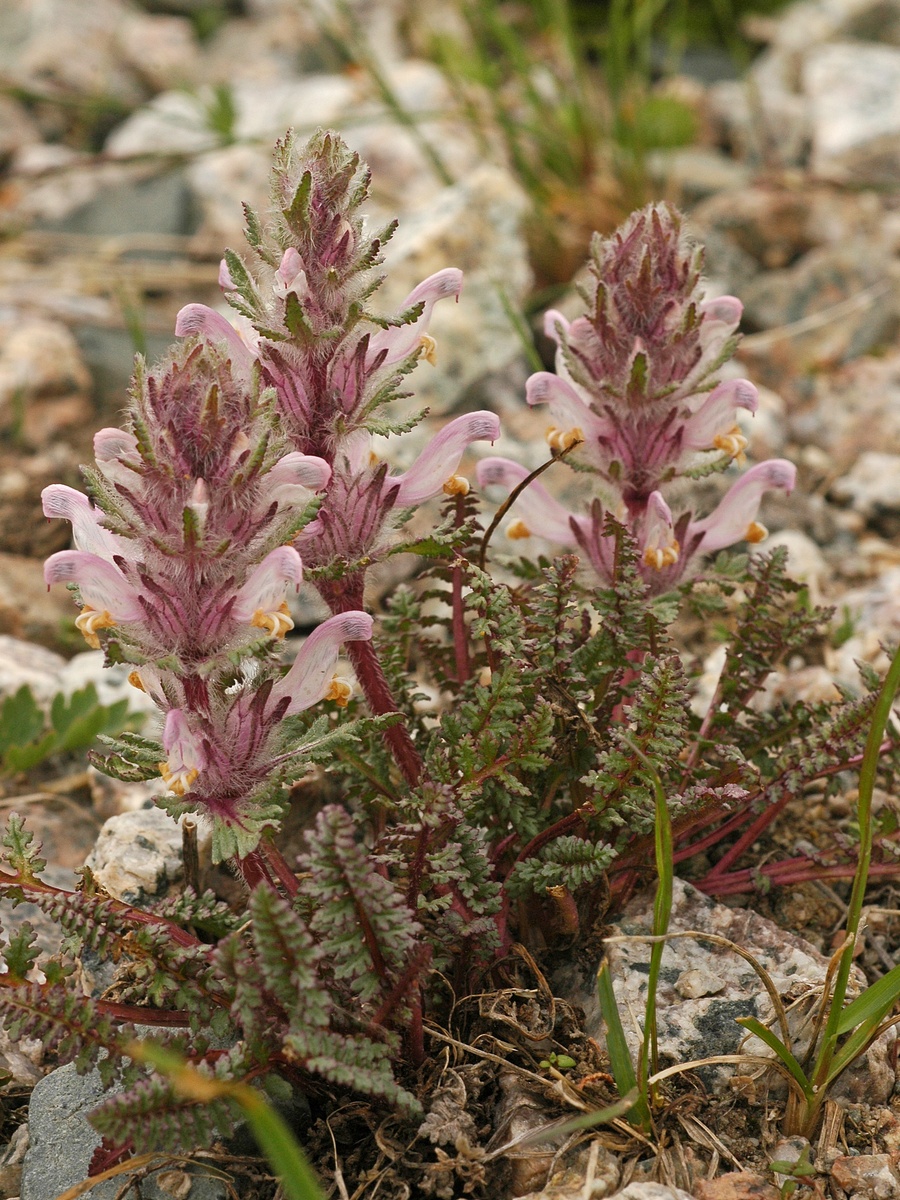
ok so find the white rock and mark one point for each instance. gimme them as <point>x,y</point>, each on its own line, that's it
<point>111,682</point>
<point>221,181</point>
<point>872,485</point>
<point>302,104</point>
<point>697,982</point>
<point>24,663</point>
<point>137,855</point>
<point>162,50</point>
<point>854,94</point>
<point>806,562</point>
<point>38,358</point>
<point>172,123</point>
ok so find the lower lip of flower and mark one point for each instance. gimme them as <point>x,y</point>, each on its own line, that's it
<point>89,621</point>
<point>179,781</point>
<point>277,622</point>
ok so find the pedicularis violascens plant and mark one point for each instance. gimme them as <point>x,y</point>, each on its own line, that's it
<point>508,811</point>
<point>637,402</point>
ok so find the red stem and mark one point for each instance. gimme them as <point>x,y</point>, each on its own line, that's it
<point>254,870</point>
<point>791,870</point>
<point>177,934</point>
<point>279,865</point>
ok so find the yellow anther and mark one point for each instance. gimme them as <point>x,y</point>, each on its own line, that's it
<point>89,621</point>
<point>374,460</point>
<point>563,439</point>
<point>756,532</point>
<point>517,529</point>
<point>429,348</point>
<point>178,782</point>
<point>277,622</point>
<point>456,485</point>
<point>733,443</point>
<point>340,691</point>
<point>660,557</point>
<point>135,680</point>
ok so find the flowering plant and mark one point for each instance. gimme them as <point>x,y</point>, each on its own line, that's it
<point>637,402</point>
<point>505,815</point>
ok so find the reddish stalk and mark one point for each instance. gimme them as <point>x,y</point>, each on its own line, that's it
<point>278,864</point>
<point>346,597</point>
<point>177,934</point>
<point>254,870</point>
<point>460,632</point>
<point>790,870</point>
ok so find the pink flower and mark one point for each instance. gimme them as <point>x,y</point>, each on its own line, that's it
<point>398,342</point>
<point>312,672</point>
<point>734,519</point>
<point>435,468</point>
<point>185,753</point>
<point>536,513</point>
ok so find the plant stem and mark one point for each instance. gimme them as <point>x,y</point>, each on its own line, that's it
<point>867,774</point>
<point>347,597</point>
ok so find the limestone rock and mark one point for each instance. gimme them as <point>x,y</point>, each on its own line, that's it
<point>138,855</point>
<point>697,1028</point>
<point>854,96</point>
<point>44,383</point>
<point>24,663</point>
<point>875,1176</point>
<point>872,486</point>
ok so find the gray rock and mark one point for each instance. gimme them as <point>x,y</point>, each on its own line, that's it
<point>221,181</point>
<point>178,122</point>
<point>692,1028</point>
<point>135,203</point>
<point>44,382</point>
<point>854,96</point>
<point>872,486</point>
<point>24,663</point>
<point>173,122</point>
<point>138,855</point>
<point>111,682</point>
<point>62,1143</point>
<point>697,172</point>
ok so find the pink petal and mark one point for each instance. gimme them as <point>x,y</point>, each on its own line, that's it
<point>112,444</point>
<point>102,585</point>
<point>440,457</point>
<point>538,512</point>
<point>718,412</point>
<point>736,513</point>
<point>310,676</point>
<point>658,535</point>
<point>203,321</point>
<point>226,283</point>
<point>553,320</point>
<point>400,341</point>
<point>265,588</point>
<point>570,413</point>
<point>290,276</point>
<point>299,470</point>
<point>724,309</point>
<point>61,501</point>
<point>111,448</point>
<point>185,755</point>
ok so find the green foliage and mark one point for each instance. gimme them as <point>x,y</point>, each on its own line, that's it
<point>75,723</point>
